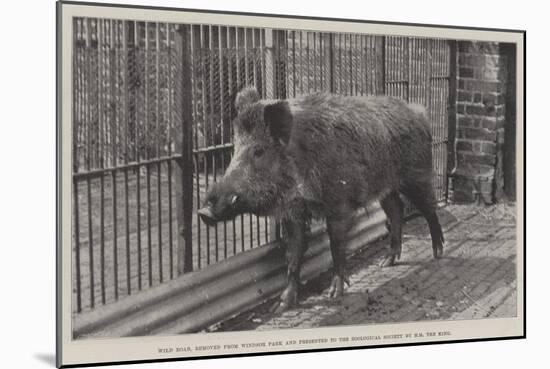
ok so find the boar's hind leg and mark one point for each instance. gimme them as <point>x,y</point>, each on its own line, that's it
<point>393,207</point>
<point>338,228</point>
<point>421,195</point>
<point>295,240</point>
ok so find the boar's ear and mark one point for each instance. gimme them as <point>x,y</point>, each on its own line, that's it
<point>278,118</point>
<point>246,97</point>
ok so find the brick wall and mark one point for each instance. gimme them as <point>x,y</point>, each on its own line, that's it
<point>481,100</point>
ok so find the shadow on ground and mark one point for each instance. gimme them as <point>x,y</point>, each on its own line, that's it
<point>438,290</point>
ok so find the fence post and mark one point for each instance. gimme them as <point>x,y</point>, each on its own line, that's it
<point>451,111</point>
<point>271,84</point>
<point>331,60</point>
<point>184,168</point>
<point>380,65</point>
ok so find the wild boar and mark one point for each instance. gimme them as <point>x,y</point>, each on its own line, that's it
<point>324,156</point>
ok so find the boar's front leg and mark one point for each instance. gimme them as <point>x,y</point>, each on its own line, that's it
<point>295,239</point>
<point>393,207</point>
<point>338,227</point>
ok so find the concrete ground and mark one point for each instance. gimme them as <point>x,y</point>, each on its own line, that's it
<point>476,278</point>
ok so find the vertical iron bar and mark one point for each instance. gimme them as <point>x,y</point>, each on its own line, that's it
<point>185,255</point>
<point>113,125</point>
<point>89,107</point>
<point>213,120</point>
<point>315,87</point>
<point>232,51</point>
<point>102,235</point>
<point>321,64</point>
<point>91,243</point>
<point>340,66</point>
<point>350,65</point>
<point>169,140</point>
<point>137,158</point>
<point>148,156</point>
<point>246,62</point>
<point>239,76</point>
<point>76,124</point>
<point>254,52</point>
<point>451,114</point>
<point>380,66</point>
<point>77,249</point>
<point>195,38</point>
<point>115,227</point>
<point>263,94</point>
<point>206,126</point>
<point>99,91</point>
<point>331,61</point>
<point>157,133</point>
<point>254,56</point>
<point>246,78</point>
<point>126,144</point>
<point>221,49</point>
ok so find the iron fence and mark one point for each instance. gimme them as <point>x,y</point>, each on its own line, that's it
<point>152,112</point>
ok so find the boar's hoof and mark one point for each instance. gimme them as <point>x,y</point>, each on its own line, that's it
<point>389,260</point>
<point>280,307</point>
<point>337,286</point>
<point>288,299</point>
<point>438,251</point>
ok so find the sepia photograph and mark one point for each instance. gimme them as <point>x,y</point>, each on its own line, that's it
<point>234,184</point>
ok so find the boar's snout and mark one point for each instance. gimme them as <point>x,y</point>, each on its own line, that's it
<point>207,216</point>
<point>221,203</point>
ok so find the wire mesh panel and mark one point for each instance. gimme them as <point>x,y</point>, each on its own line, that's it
<point>418,70</point>
<point>225,59</point>
<point>439,112</point>
<point>339,63</point>
<point>412,69</point>
<point>354,64</point>
<point>123,156</point>
<point>307,56</point>
<point>152,110</point>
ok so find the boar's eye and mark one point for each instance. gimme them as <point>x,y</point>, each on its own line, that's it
<point>259,151</point>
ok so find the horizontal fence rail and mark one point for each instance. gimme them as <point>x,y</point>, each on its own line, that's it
<point>152,113</point>
<point>124,161</point>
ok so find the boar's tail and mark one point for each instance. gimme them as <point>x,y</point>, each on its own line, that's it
<point>419,109</point>
<point>421,114</point>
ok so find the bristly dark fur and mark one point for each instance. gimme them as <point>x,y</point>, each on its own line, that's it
<point>325,155</point>
<point>357,149</point>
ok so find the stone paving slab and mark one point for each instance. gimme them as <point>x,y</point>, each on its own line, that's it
<point>476,278</point>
